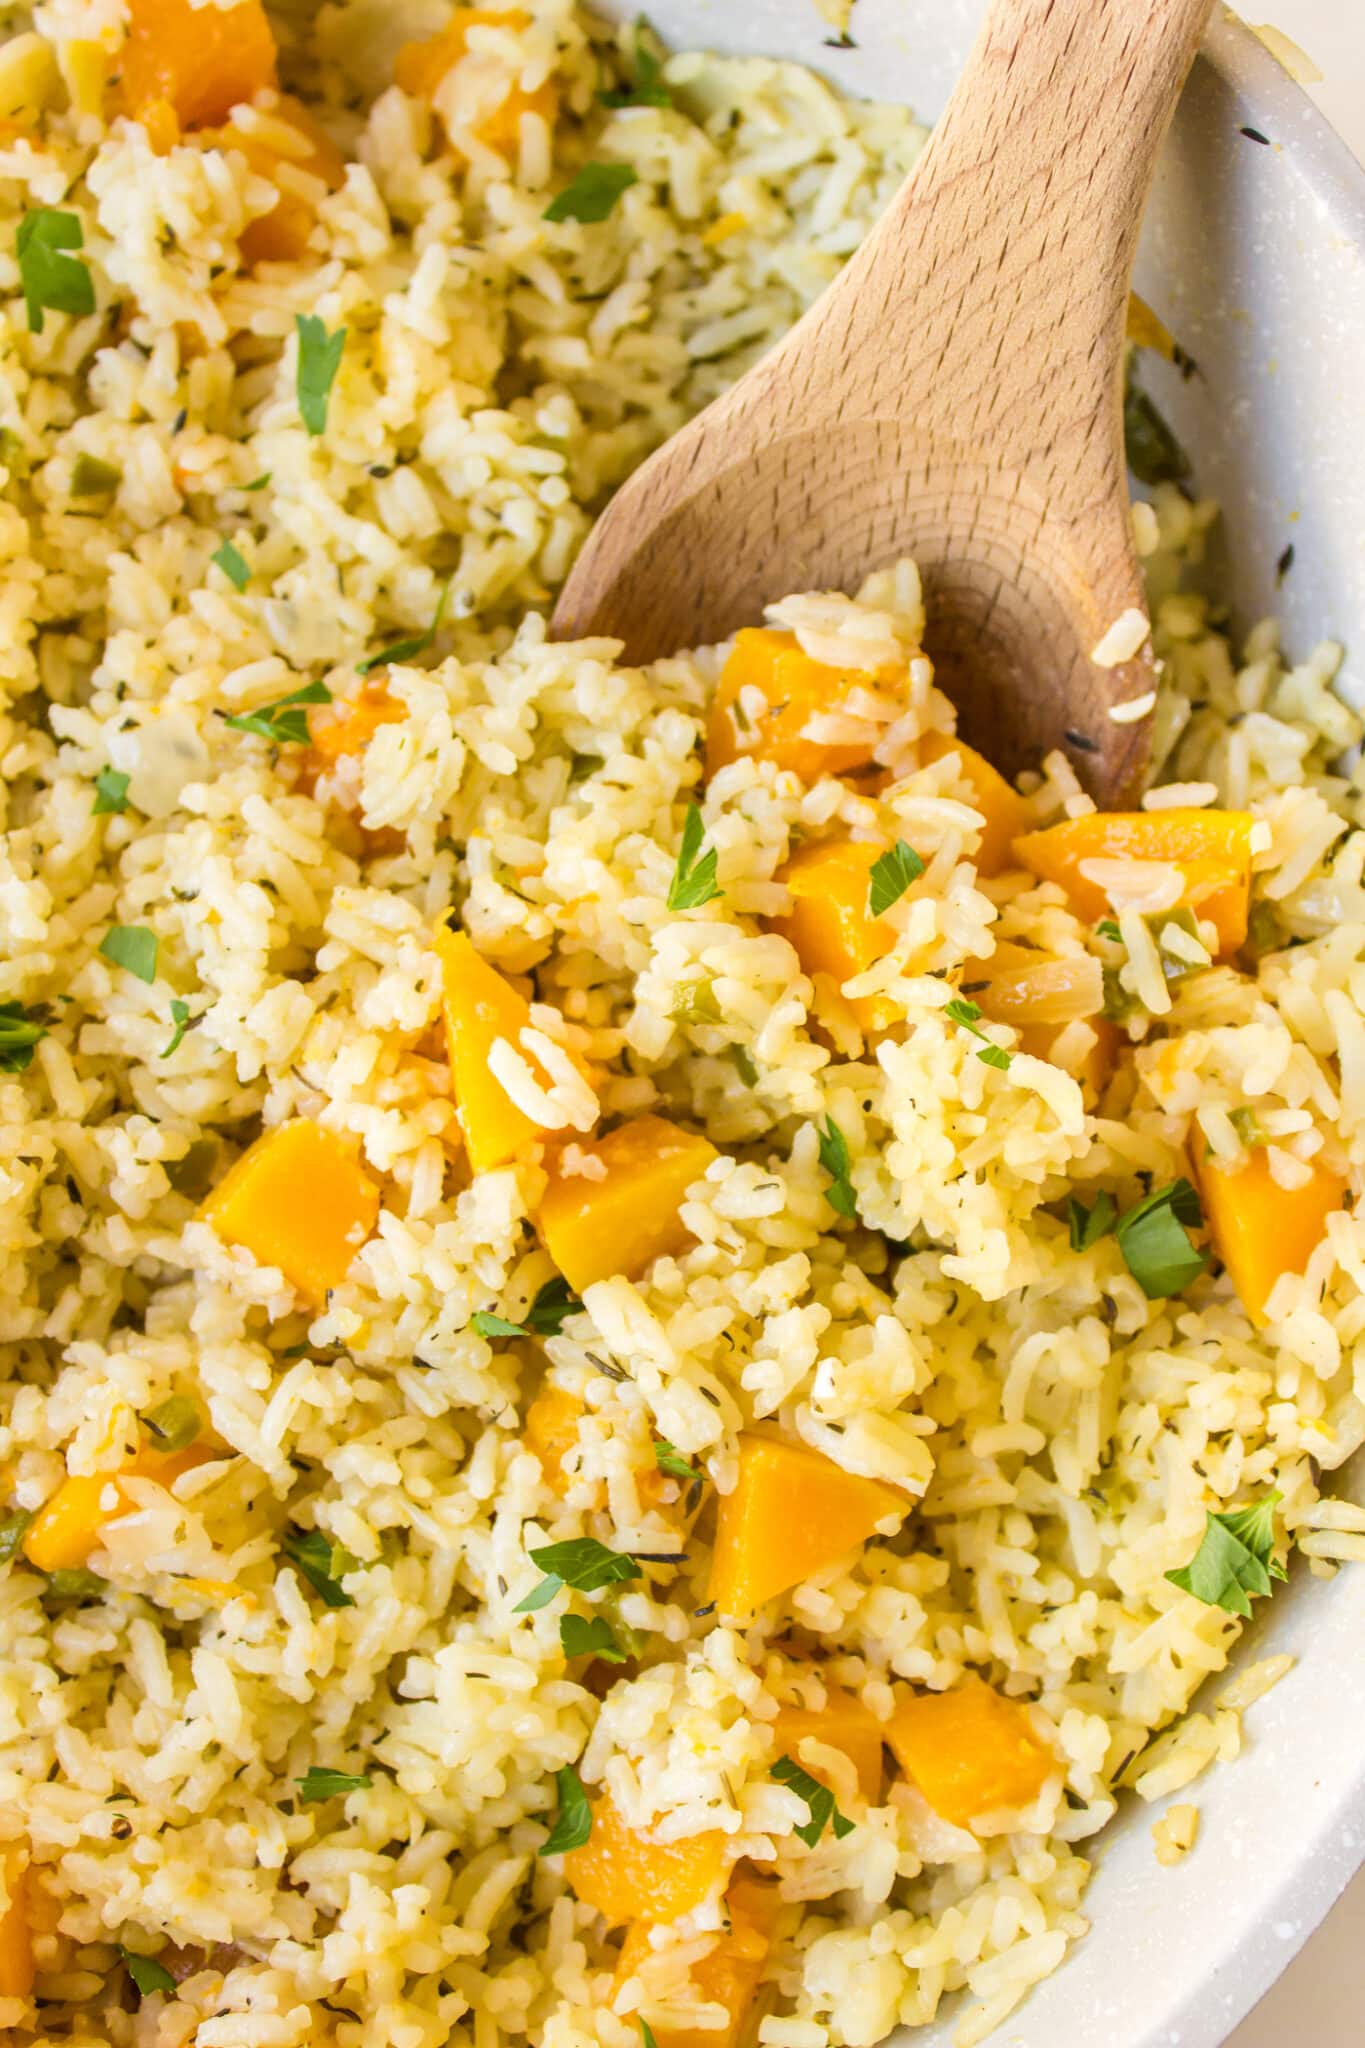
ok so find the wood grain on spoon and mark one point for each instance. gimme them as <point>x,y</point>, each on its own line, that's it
<point>955,395</point>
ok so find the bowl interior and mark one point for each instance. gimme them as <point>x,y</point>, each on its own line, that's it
<point>1253,252</point>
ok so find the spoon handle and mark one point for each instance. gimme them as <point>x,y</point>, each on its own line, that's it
<point>1040,167</point>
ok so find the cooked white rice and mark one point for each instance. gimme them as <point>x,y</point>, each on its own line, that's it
<point>1062,1436</point>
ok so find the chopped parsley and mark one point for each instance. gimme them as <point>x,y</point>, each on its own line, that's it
<point>258,483</point>
<point>891,876</point>
<point>1247,1125</point>
<point>1088,1226</point>
<point>579,1637</point>
<point>694,878</point>
<point>819,1799</point>
<point>175,1423</point>
<point>647,2039</point>
<point>180,1020</point>
<point>1235,1561</point>
<point>694,1002</point>
<point>555,1302</point>
<point>323,1563</point>
<point>1154,1240</point>
<point>233,565</point>
<point>74,1582</point>
<point>317,1784</point>
<point>1107,929</point>
<point>647,88</point>
<point>134,947</point>
<point>147,1973</point>
<point>91,478</point>
<point>672,1462</point>
<point>13,1529</point>
<point>574,1824</point>
<point>489,1325</point>
<point>581,1562</point>
<point>408,650</point>
<point>283,723</point>
<point>959,1011</point>
<point>593,193</point>
<point>111,793</point>
<point>319,361</point>
<point>834,1158</point>
<point>53,280</point>
<point>20,1030</point>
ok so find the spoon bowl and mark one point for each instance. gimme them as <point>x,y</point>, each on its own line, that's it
<point>954,396</point>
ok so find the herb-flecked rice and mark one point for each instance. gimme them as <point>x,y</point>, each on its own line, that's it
<point>289,1709</point>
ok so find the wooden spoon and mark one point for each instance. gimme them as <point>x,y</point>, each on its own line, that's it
<point>955,395</point>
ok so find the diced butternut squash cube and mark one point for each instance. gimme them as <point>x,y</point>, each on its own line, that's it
<point>829,926</point>
<point>423,67</point>
<point>728,1974</point>
<point>552,1431</point>
<point>339,730</point>
<point>482,1007</point>
<point>1211,848</point>
<point>791,1513</point>
<point>770,691</point>
<point>287,135</point>
<point>970,1751</point>
<point>843,1723</point>
<point>617,1210</point>
<point>16,1939</point>
<point>198,61</point>
<point>1261,1230</point>
<point>71,1523</point>
<point>626,1876</point>
<point>298,1199</point>
<point>1005,812</point>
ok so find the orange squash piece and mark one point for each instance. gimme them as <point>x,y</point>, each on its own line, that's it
<point>71,1523</point>
<point>481,1007</point>
<point>1005,813</point>
<point>625,1876</point>
<point>298,1199</point>
<point>728,1974</point>
<point>281,236</point>
<point>16,1940</point>
<point>551,1431</point>
<point>792,689</point>
<point>1212,849</point>
<point>969,1751</point>
<point>1261,1230</point>
<point>791,1513</point>
<point>422,66</point>
<point>344,728</point>
<point>842,1723</point>
<point>829,926</point>
<point>627,1218</point>
<point>196,62</point>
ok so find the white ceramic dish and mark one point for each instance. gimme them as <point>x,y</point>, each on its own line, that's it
<point>1254,253</point>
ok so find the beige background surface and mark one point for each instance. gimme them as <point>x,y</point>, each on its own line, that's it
<point>1320,2000</point>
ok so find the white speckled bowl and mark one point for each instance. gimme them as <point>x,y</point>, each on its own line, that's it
<point>1254,254</point>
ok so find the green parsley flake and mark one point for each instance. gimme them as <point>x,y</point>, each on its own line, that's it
<point>147,1973</point>
<point>581,1562</point>
<point>574,1824</point>
<point>319,361</point>
<point>408,650</point>
<point>694,879</point>
<point>134,947</point>
<point>1235,1561</point>
<point>283,723</point>
<point>555,1302</point>
<point>181,1020</point>
<point>1154,1240</point>
<point>581,1637</point>
<point>323,1563</point>
<point>593,193</point>
<point>819,1799</point>
<point>489,1325</point>
<point>318,1784</point>
<point>74,1582</point>
<point>647,88</point>
<point>1088,1226</point>
<point>960,1011</point>
<point>13,1529</point>
<point>233,565</point>
<point>111,793</point>
<point>53,280</point>
<point>20,1030</point>
<point>672,1462</point>
<point>891,876</point>
<point>647,2039</point>
<point>834,1158</point>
